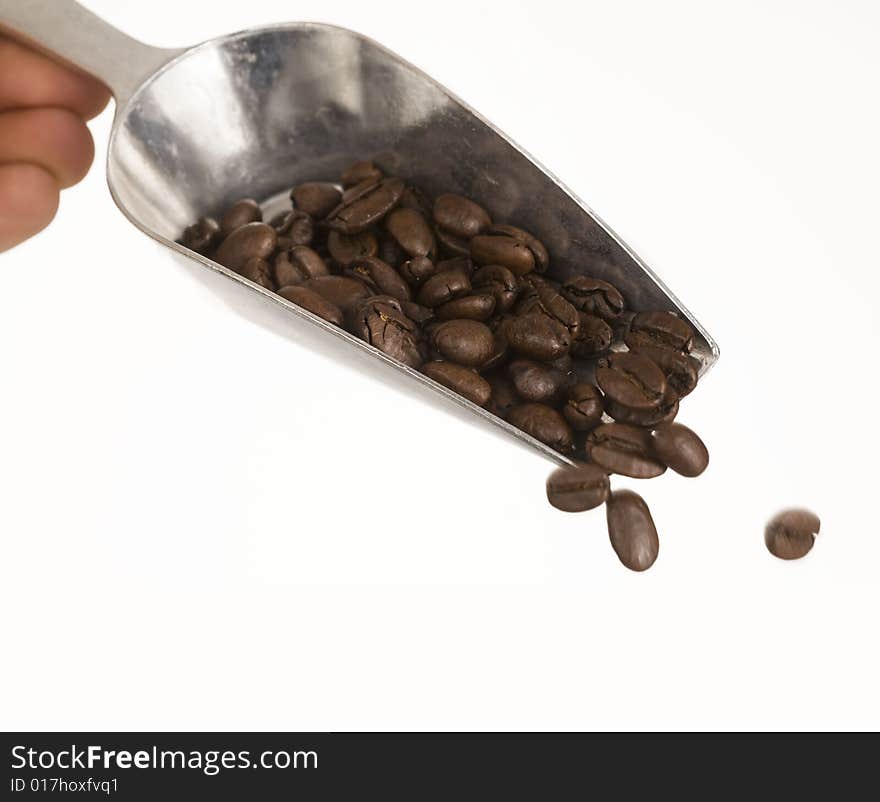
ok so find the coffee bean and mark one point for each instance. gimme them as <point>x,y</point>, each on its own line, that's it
<point>240,213</point>
<point>631,530</point>
<point>314,303</point>
<point>623,449</point>
<point>500,282</point>
<point>577,489</point>
<point>460,216</point>
<point>414,198</point>
<point>680,448</point>
<point>472,307</point>
<point>316,198</point>
<point>537,336</point>
<point>343,291</point>
<point>791,534</point>
<point>443,287</point>
<point>420,314</point>
<point>450,244</point>
<point>201,236</point>
<point>535,381</point>
<point>681,370</point>
<point>584,407</point>
<point>502,250</point>
<point>500,353</point>
<point>594,296</point>
<point>417,270</point>
<point>665,412</point>
<point>462,264</point>
<point>631,380</point>
<point>390,251</point>
<point>346,248</point>
<point>504,396</point>
<point>547,299</point>
<point>543,423</point>
<point>249,240</point>
<point>384,278</point>
<point>382,323</point>
<point>412,232</point>
<point>297,264</point>
<point>259,271</point>
<point>593,337</point>
<point>464,381</point>
<point>539,252</point>
<point>298,228</point>
<point>360,171</point>
<point>466,342</point>
<point>366,207</point>
<point>661,330</point>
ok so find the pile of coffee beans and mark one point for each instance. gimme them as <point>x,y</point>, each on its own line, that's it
<point>471,303</point>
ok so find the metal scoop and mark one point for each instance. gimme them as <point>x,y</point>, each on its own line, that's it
<point>253,113</point>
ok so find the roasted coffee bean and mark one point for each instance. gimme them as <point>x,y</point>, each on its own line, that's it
<point>500,352</point>
<point>464,381</point>
<point>548,300</point>
<point>593,337</point>
<point>298,228</point>
<point>314,303</point>
<point>251,239</point>
<point>259,271</point>
<point>594,296</point>
<point>577,489</point>
<point>297,264</point>
<point>460,216</point>
<point>451,245</point>
<point>463,264</point>
<point>500,282</point>
<point>443,287</point>
<point>414,198</point>
<point>631,529</point>
<point>623,449</point>
<point>420,314</point>
<point>343,291</point>
<point>466,342</point>
<point>382,323</point>
<point>493,249</point>
<point>247,210</point>
<point>415,271</point>
<point>631,380</point>
<point>661,330</point>
<point>352,193</point>
<point>367,206</point>
<point>316,198</point>
<point>681,370</point>
<point>791,534</point>
<point>680,448</point>
<point>360,171</point>
<point>412,232</point>
<point>584,407</point>
<point>504,396</point>
<point>389,250</point>
<point>543,423</point>
<point>472,307</point>
<point>347,248</point>
<point>665,412</point>
<point>539,252</point>
<point>535,381</point>
<point>201,236</point>
<point>374,272</point>
<point>537,336</point>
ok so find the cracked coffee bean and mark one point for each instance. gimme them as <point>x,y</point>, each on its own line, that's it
<point>594,296</point>
<point>382,323</point>
<point>380,276</point>
<point>443,287</point>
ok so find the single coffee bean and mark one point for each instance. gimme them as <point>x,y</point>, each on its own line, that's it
<point>450,244</point>
<point>577,489</point>
<point>314,303</point>
<point>316,198</point>
<point>462,380</point>
<point>420,314</point>
<point>443,287</point>
<point>202,236</point>
<point>500,282</point>
<point>247,210</point>
<point>541,296</point>
<point>298,228</point>
<point>543,423</point>
<point>681,370</point>
<point>791,534</point>
<point>352,193</point>
<point>535,381</point>
<point>415,198</point>
<point>631,530</point>
<point>593,338</point>
<point>472,307</point>
<point>594,296</point>
<point>631,380</point>
<point>251,239</point>
<point>584,407</point>
<point>466,342</point>
<point>537,336</point>
<point>623,449</point>
<point>539,252</point>
<point>376,273</point>
<point>661,330</point>
<point>344,291</point>
<point>460,216</point>
<point>382,323</point>
<point>259,271</point>
<point>504,396</point>
<point>501,250</point>
<point>680,448</point>
<point>665,412</point>
<point>417,270</point>
<point>412,232</point>
<point>366,207</point>
<point>297,264</point>
<point>346,248</point>
<point>360,171</point>
<point>500,353</point>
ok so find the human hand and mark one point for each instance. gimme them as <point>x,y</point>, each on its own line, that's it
<point>45,145</point>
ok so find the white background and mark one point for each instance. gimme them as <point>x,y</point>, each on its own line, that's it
<point>206,526</point>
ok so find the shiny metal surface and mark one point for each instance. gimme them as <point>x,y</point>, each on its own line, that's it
<point>252,113</point>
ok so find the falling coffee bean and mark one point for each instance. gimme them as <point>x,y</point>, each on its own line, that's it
<point>577,489</point>
<point>680,448</point>
<point>790,534</point>
<point>631,530</point>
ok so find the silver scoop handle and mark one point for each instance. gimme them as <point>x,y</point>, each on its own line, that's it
<point>66,31</point>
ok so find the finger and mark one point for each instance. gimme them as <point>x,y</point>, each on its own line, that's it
<point>28,79</point>
<point>28,202</point>
<point>56,139</point>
